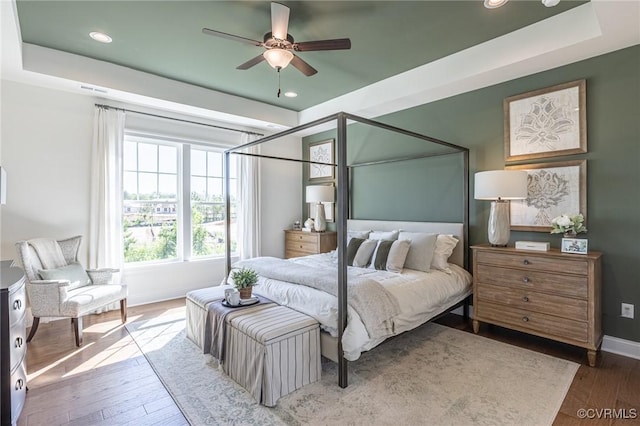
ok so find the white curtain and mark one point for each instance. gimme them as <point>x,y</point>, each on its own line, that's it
<point>105,235</point>
<point>249,201</point>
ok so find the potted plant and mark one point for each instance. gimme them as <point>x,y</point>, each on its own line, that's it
<point>243,280</point>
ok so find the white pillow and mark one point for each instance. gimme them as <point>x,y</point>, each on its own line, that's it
<point>421,250</point>
<point>363,255</point>
<point>353,234</point>
<point>443,250</point>
<point>384,235</point>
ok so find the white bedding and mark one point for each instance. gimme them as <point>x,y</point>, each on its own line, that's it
<point>421,296</point>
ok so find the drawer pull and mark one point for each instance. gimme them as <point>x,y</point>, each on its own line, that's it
<point>525,319</point>
<point>525,299</point>
<point>17,304</point>
<point>525,279</point>
<point>18,342</point>
<point>526,262</point>
<point>300,247</point>
<point>19,384</point>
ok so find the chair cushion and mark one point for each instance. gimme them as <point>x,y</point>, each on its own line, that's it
<point>91,297</point>
<point>74,273</point>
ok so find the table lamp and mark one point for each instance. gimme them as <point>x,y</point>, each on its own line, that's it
<point>320,194</point>
<point>500,186</point>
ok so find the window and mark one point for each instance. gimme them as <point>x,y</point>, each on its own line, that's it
<point>159,222</point>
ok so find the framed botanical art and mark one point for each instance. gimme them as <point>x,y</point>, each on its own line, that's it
<point>321,155</point>
<point>553,189</point>
<point>544,123</point>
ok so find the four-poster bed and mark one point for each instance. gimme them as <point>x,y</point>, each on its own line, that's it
<point>344,181</point>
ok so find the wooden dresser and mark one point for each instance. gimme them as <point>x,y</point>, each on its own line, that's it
<point>549,294</point>
<point>13,349</point>
<point>300,243</point>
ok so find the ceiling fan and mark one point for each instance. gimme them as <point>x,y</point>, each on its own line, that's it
<point>280,45</point>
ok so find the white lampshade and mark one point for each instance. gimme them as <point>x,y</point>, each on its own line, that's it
<point>320,194</point>
<point>501,185</point>
<point>278,58</point>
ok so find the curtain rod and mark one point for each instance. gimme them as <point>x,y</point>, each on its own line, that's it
<point>179,119</point>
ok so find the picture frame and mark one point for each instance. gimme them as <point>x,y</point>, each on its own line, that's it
<point>574,245</point>
<point>544,123</point>
<point>321,155</point>
<point>553,189</point>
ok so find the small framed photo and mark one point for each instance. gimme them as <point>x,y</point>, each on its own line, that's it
<point>321,157</point>
<point>574,245</point>
<point>549,122</point>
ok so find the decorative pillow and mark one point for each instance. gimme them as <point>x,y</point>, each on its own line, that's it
<point>421,250</point>
<point>363,255</point>
<point>73,272</point>
<point>398,255</point>
<point>352,249</point>
<point>384,235</point>
<point>390,255</point>
<point>353,234</point>
<point>444,247</point>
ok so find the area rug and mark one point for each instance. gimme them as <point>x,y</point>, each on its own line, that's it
<point>433,375</point>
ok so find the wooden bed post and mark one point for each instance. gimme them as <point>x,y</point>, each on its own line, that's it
<point>341,225</point>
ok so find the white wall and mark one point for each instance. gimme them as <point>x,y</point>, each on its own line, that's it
<point>45,147</point>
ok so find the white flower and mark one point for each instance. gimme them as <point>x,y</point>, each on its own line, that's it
<point>564,220</point>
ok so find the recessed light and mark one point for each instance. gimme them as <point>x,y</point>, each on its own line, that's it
<point>290,94</point>
<point>101,37</point>
<point>492,4</point>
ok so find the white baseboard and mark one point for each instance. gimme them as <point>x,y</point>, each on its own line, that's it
<point>615,345</point>
<point>619,346</point>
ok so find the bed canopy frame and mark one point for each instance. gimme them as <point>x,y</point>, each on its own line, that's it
<point>343,196</point>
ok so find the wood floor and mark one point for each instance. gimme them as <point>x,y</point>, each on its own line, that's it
<point>109,382</point>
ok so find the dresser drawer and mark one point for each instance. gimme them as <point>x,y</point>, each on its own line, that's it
<point>18,391</point>
<point>17,304</point>
<point>534,322</point>
<point>17,343</point>
<point>302,237</point>
<point>527,261</point>
<point>533,301</point>
<point>568,285</point>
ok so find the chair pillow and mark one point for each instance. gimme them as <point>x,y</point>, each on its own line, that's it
<point>421,250</point>
<point>73,272</point>
<point>443,250</point>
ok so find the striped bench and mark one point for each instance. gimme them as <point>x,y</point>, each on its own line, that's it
<point>271,351</point>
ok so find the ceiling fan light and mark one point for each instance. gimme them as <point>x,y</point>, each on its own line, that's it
<point>493,4</point>
<point>550,3</point>
<point>278,58</point>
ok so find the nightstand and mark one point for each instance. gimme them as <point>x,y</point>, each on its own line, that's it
<point>550,294</point>
<point>300,243</point>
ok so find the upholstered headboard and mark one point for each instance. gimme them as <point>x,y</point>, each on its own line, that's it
<point>455,229</point>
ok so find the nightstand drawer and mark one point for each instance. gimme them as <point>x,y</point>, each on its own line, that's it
<point>533,322</point>
<point>302,237</point>
<point>568,285</point>
<point>288,254</point>
<point>533,301</point>
<point>303,246</point>
<point>534,262</point>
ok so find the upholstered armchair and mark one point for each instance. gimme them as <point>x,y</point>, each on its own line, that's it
<point>58,285</point>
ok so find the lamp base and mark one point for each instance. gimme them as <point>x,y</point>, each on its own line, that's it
<point>499,227</point>
<point>320,222</point>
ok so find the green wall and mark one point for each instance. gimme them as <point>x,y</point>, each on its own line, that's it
<point>475,120</point>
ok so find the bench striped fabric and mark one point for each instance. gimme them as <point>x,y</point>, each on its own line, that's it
<point>272,350</point>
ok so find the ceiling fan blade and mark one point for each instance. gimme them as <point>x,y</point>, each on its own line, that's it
<point>279,20</point>
<point>250,63</point>
<point>304,67</point>
<point>232,37</point>
<point>336,44</point>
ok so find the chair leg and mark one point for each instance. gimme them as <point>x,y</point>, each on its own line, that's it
<point>77,329</point>
<point>123,310</point>
<point>34,328</point>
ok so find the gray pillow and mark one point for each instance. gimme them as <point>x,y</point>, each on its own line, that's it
<point>421,250</point>
<point>73,272</point>
<point>363,255</point>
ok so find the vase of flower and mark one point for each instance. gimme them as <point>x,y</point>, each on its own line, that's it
<point>244,280</point>
<point>569,225</point>
<point>569,234</point>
